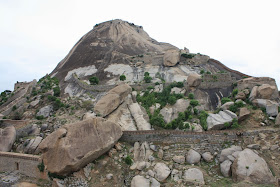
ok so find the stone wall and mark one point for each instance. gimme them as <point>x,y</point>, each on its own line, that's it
<point>219,80</point>
<point>180,142</point>
<point>23,163</point>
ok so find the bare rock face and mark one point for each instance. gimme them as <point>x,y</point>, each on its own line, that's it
<point>217,121</point>
<point>112,100</point>
<point>243,113</point>
<point>226,168</point>
<point>161,171</point>
<point>73,146</point>
<point>253,83</point>
<point>140,181</point>
<point>277,121</point>
<point>170,113</point>
<point>7,138</point>
<point>228,151</point>
<point>194,176</point>
<point>194,80</point>
<point>251,167</point>
<point>139,117</point>
<point>171,57</point>
<point>265,91</point>
<point>193,157</point>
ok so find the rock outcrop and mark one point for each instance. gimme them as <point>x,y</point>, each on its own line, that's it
<point>251,167</point>
<point>194,176</point>
<point>170,113</point>
<point>161,171</point>
<point>171,58</point>
<point>194,80</point>
<point>217,121</point>
<point>7,138</point>
<point>193,157</point>
<point>140,181</point>
<point>243,113</point>
<point>73,146</point>
<point>139,117</point>
<point>112,100</point>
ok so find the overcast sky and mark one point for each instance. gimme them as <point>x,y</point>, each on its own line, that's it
<point>243,34</point>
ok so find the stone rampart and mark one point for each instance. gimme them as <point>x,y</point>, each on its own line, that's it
<point>180,142</point>
<point>23,163</point>
<point>219,80</point>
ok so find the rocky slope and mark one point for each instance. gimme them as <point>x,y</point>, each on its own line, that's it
<point>143,85</point>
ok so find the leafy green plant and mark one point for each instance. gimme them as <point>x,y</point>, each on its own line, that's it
<point>122,77</point>
<point>234,92</point>
<point>191,96</point>
<point>14,108</point>
<point>41,167</point>
<point>187,55</point>
<point>93,80</point>
<point>194,103</point>
<point>128,160</point>
<point>40,117</point>
<point>225,100</point>
<point>202,71</point>
<point>56,91</point>
<point>203,119</point>
<point>235,124</point>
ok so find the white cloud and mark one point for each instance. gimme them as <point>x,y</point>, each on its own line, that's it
<point>36,35</point>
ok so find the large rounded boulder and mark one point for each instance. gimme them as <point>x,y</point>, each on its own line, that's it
<point>73,146</point>
<point>251,167</point>
<point>7,138</point>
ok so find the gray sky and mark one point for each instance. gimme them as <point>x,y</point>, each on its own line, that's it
<point>243,34</point>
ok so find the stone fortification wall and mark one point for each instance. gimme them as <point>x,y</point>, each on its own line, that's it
<point>221,66</point>
<point>105,88</point>
<point>180,142</point>
<point>23,163</point>
<point>219,80</point>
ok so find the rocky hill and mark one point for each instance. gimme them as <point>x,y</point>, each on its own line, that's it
<point>122,109</point>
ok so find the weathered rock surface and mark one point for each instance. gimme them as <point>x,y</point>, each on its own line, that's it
<point>270,106</point>
<point>227,105</point>
<point>171,58</point>
<point>194,80</point>
<point>252,82</point>
<point>251,167</point>
<point>139,117</point>
<point>112,100</point>
<point>179,159</point>
<point>89,115</point>
<point>140,181</point>
<point>73,146</point>
<point>277,120</point>
<point>45,111</point>
<point>226,168</point>
<point>32,146</point>
<point>193,157</point>
<point>194,175</point>
<point>170,113</point>
<point>265,91</point>
<point>228,151</point>
<point>243,113</point>
<point>217,121</point>
<point>7,138</point>
<point>207,156</point>
<point>161,171</point>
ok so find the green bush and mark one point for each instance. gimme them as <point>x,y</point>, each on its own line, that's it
<point>57,104</point>
<point>180,84</point>
<point>56,91</point>
<point>235,124</point>
<point>208,72</point>
<point>202,71</point>
<point>203,119</point>
<point>122,77</point>
<point>194,103</point>
<point>191,96</point>
<point>146,74</point>
<point>172,100</point>
<point>225,100</point>
<point>41,167</point>
<point>40,117</point>
<point>147,79</point>
<point>234,92</point>
<point>93,80</point>
<point>14,108</point>
<point>187,55</point>
<point>128,160</point>
<point>51,98</point>
<point>157,120</point>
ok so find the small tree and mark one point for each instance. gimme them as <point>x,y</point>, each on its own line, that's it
<point>122,77</point>
<point>93,80</point>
